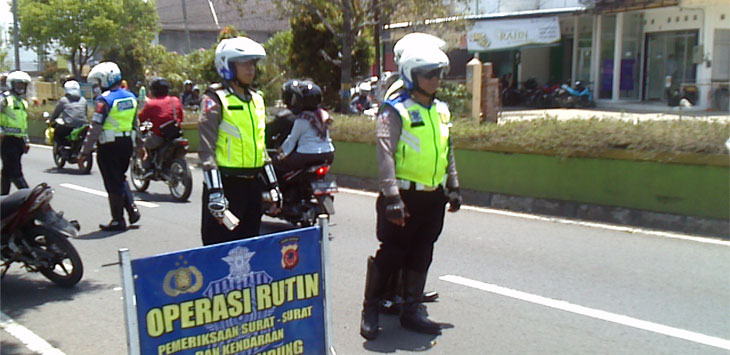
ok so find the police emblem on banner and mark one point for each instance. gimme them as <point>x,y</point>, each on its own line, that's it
<point>240,276</point>
<point>182,280</point>
<point>289,252</point>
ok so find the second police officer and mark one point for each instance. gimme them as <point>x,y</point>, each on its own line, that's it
<point>232,149</point>
<point>13,131</point>
<point>417,178</point>
<point>112,125</point>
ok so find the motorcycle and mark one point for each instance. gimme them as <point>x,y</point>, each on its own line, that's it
<point>68,152</point>
<point>36,236</point>
<point>307,192</point>
<point>168,165</point>
<point>577,96</point>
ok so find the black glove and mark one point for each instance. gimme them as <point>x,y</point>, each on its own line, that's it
<point>395,210</point>
<point>454,199</point>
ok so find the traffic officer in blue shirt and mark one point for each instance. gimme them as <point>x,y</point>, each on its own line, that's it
<point>417,179</point>
<point>112,126</point>
<point>13,131</point>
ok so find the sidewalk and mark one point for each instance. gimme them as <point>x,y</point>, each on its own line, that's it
<point>629,111</point>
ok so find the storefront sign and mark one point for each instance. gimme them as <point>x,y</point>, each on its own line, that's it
<point>263,295</point>
<point>488,35</point>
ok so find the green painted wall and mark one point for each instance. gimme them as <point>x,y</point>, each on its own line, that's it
<point>693,190</point>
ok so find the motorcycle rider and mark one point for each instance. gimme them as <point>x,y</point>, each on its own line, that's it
<point>232,148</point>
<point>417,177</point>
<point>72,109</point>
<point>309,140</point>
<point>13,131</point>
<point>361,101</point>
<point>186,97</point>
<point>112,125</point>
<point>162,110</point>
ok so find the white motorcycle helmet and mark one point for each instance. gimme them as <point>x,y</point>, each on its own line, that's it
<point>72,88</point>
<point>416,39</point>
<point>105,74</point>
<point>421,59</point>
<point>18,77</point>
<point>239,49</point>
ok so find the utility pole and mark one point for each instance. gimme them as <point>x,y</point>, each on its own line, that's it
<point>378,27</point>
<point>16,34</point>
<point>185,21</point>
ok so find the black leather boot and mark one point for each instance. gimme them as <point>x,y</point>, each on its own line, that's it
<point>410,316</point>
<point>132,210</point>
<point>4,186</point>
<point>116,204</point>
<point>374,286</point>
<point>20,183</point>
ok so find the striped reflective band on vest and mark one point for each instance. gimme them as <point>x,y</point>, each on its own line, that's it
<point>14,117</point>
<point>241,133</point>
<point>422,152</point>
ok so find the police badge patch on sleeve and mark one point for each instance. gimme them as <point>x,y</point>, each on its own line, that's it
<point>209,104</point>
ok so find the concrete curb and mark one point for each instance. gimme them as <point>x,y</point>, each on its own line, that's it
<point>573,210</point>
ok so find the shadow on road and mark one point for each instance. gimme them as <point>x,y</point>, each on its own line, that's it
<point>156,197</point>
<point>25,292</point>
<point>69,171</point>
<point>100,234</point>
<point>393,337</point>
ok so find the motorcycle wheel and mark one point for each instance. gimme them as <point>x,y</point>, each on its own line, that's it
<point>67,268</point>
<point>135,172</point>
<point>57,158</point>
<point>85,167</point>
<point>181,180</point>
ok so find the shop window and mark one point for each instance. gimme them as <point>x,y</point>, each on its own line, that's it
<point>686,18</point>
<point>676,19</point>
<point>695,18</point>
<point>669,20</point>
<point>722,17</point>
<point>652,21</point>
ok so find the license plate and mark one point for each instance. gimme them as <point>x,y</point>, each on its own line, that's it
<point>321,187</point>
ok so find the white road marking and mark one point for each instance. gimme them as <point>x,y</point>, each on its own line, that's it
<point>611,227</point>
<point>104,194</point>
<point>32,341</point>
<point>590,312</point>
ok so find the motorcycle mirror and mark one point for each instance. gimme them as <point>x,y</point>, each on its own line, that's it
<point>46,114</point>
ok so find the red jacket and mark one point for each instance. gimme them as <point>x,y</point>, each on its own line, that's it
<point>158,110</point>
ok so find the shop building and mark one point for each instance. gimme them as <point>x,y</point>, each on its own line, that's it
<point>659,47</point>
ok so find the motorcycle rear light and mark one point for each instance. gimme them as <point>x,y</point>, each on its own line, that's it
<point>185,142</point>
<point>322,170</point>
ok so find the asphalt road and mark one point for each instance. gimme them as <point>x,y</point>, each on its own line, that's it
<point>509,283</point>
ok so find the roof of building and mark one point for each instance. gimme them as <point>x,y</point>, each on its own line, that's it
<point>212,15</point>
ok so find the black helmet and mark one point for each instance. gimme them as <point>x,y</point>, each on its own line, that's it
<point>300,95</point>
<point>159,87</point>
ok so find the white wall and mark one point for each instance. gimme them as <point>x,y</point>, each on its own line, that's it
<point>535,63</point>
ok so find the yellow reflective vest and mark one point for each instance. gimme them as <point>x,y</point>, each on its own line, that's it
<point>14,117</point>
<point>423,148</point>
<point>241,134</point>
<point>122,110</point>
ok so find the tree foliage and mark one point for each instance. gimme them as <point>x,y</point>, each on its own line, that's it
<point>83,28</point>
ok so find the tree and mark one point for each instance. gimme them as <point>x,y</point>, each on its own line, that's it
<point>83,28</point>
<point>351,20</point>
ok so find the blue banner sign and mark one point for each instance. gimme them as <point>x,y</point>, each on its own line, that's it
<point>263,295</point>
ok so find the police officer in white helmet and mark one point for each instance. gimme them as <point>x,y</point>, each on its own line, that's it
<point>232,150</point>
<point>417,179</point>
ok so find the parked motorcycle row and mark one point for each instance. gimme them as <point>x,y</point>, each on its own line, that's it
<point>531,94</point>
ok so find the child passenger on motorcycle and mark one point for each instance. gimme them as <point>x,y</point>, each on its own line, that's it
<point>72,109</point>
<point>309,141</point>
<point>162,110</point>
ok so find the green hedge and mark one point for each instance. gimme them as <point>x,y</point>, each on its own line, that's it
<point>656,140</point>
